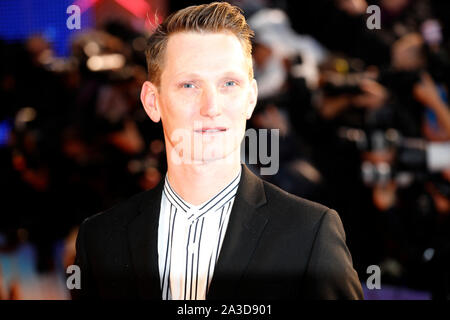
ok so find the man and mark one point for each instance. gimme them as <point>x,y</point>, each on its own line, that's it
<point>211,229</point>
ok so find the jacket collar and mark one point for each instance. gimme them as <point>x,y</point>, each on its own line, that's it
<point>244,229</point>
<point>241,238</point>
<point>143,244</point>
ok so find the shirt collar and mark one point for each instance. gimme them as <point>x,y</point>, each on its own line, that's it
<point>213,204</point>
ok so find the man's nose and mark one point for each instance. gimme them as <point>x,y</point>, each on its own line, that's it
<point>210,106</point>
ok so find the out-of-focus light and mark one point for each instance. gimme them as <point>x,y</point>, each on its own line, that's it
<point>355,135</point>
<point>46,57</point>
<point>157,146</point>
<point>428,254</point>
<point>91,49</point>
<point>5,131</point>
<point>63,64</point>
<point>384,172</point>
<point>19,163</point>
<point>342,66</point>
<point>23,116</point>
<point>307,170</point>
<point>383,168</point>
<point>368,172</point>
<point>134,166</point>
<point>137,7</point>
<point>85,4</point>
<point>404,179</point>
<point>150,162</point>
<point>106,62</point>
<point>95,63</point>
<point>392,135</point>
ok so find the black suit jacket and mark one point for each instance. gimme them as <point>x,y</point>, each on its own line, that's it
<point>277,246</point>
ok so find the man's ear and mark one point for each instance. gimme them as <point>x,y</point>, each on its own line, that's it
<point>252,98</point>
<point>149,100</point>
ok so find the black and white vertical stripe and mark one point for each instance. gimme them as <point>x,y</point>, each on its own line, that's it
<point>189,241</point>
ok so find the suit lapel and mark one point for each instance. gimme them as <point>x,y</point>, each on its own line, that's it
<point>243,232</point>
<point>143,242</point>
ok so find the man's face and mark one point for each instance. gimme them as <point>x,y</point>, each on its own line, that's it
<point>205,94</point>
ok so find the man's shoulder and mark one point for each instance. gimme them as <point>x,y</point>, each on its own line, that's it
<point>122,212</point>
<point>290,208</point>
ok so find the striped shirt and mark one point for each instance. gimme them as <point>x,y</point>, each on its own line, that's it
<point>189,241</point>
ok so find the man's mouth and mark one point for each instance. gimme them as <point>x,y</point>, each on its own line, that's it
<point>211,130</point>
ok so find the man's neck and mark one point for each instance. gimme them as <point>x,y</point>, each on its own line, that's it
<point>197,183</point>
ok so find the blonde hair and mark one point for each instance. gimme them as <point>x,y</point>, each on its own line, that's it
<point>213,17</point>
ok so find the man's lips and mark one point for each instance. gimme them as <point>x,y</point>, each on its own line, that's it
<point>211,130</point>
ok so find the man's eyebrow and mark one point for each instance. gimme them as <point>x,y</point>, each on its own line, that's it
<point>187,75</point>
<point>234,74</point>
<point>198,76</point>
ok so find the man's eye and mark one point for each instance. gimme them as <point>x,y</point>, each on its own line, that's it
<point>188,85</point>
<point>230,83</point>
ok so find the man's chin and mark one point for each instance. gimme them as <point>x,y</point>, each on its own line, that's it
<point>212,155</point>
<point>209,158</point>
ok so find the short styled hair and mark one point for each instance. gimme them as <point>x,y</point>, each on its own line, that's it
<point>213,17</point>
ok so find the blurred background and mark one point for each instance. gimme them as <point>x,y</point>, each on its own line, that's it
<point>363,116</point>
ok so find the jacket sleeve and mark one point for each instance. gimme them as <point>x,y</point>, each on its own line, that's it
<point>330,274</point>
<point>81,260</point>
